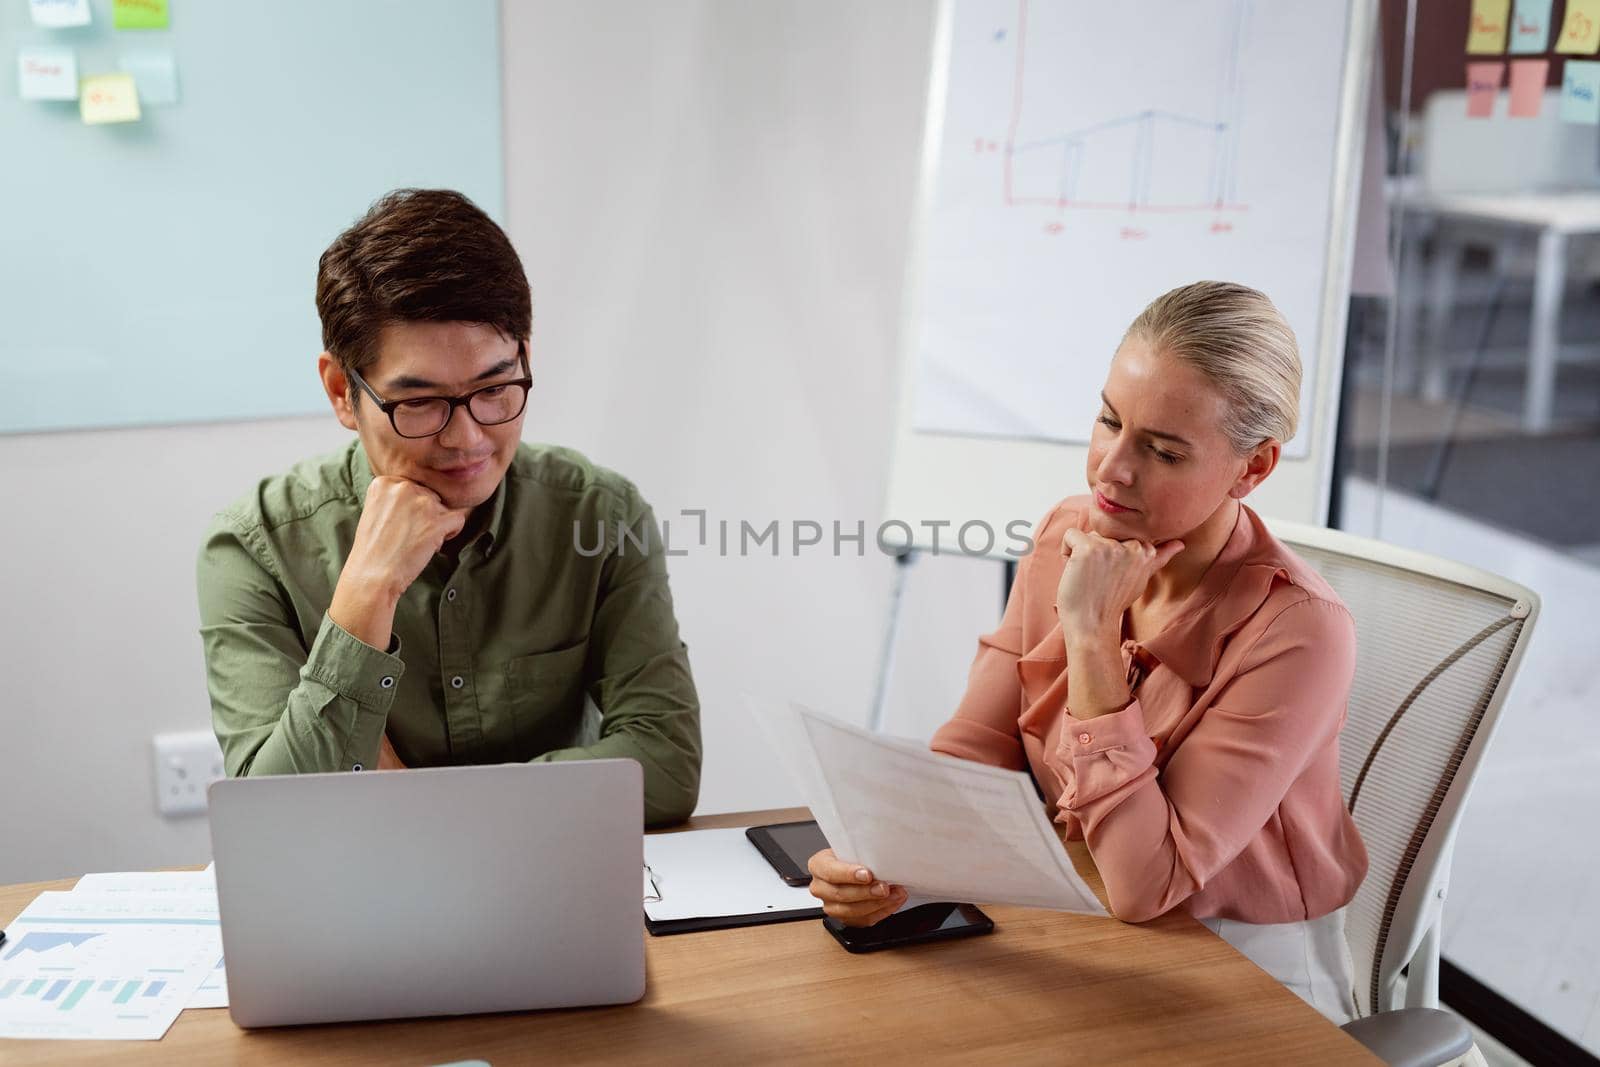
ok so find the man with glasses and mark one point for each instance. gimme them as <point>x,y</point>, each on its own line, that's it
<point>432,593</point>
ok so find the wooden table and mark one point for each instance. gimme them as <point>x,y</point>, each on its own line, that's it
<point>1043,988</point>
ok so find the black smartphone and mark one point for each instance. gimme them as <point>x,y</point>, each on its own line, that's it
<point>925,922</point>
<point>787,846</point>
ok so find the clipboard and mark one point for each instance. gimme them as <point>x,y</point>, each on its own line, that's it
<point>715,880</point>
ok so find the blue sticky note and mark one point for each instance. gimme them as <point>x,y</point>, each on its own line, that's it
<point>155,73</point>
<point>1580,92</point>
<point>1530,26</point>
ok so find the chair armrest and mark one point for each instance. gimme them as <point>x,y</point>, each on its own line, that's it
<point>1413,1037</point>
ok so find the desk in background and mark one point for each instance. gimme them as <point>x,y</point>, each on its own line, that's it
<point>1045,987</point>
<point>1551,220</point>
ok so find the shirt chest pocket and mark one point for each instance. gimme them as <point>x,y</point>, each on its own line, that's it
<point>544,694</point>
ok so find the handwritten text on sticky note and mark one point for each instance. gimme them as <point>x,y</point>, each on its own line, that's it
<point>108,98</point>
<point>59,14</point>
<point>47,74</point>
<point>1580,92</point>
<point>1580,33</point>
<point>1530,26</point>
<point>1483,85</point>
<point>1487,33</point>
<point>139,14</point>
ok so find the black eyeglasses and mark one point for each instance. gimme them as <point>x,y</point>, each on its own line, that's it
<point>424,416</point>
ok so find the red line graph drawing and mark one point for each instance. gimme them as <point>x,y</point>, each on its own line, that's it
<point>1141,161</point>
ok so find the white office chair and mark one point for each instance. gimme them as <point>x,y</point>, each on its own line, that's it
<point>1438,644</point>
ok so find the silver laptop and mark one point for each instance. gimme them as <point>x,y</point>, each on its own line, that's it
<point>441,891</point>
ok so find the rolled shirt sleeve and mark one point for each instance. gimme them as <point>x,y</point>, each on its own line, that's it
<point>1157,839</point>
<point>640,678</point>
<point>278,707</point>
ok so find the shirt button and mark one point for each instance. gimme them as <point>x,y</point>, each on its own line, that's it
<point>1084,738</point>
<point>355,766</point>
<point>451,595</point>
<point>457,682</point>
<point>387,683</point>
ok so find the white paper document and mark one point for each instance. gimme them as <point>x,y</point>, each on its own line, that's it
<point>945,828</point>
<point>701,874</point>
<point>202,884</point>
<point>111,966</point>
<point>199,888</point>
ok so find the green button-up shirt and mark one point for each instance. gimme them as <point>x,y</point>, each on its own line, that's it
<point>559,592</point>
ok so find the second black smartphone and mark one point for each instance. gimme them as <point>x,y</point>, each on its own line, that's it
<point>926,922</point>
<point>787,846</point>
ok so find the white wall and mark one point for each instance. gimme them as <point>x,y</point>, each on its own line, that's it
<point>100,641</point>
<point>712,201</point>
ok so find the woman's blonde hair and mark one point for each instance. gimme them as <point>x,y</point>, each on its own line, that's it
<point>1238,339</point>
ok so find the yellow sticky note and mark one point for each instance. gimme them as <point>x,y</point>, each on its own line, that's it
<point>1487,34</point>
<point>1580,32</point>
<point>108,98</point>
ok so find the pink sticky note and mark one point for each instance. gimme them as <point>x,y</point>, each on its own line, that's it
<point>1527,87</point>
<point>1483,85</point>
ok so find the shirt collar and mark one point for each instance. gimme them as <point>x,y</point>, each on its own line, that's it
<point>1232,589</point>
<point>492,528</point>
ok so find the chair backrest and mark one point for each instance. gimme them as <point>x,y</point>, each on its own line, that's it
<point>1437,646</point>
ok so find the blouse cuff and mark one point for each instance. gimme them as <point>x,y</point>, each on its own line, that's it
<point>1106,753</point>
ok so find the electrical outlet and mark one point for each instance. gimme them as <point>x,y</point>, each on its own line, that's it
<point>185,764</point>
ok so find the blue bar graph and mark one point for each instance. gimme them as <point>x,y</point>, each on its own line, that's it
<point>127,992</point>
<point>154,989</point>
<point>9,988</point>
<point>77,994</point>
<point>108,985</point>
<point>33,987</point>
<point>58,987</point>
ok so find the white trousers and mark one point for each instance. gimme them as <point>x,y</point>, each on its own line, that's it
<point>1312,958</point>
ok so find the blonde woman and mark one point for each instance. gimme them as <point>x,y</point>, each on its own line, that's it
<point>1174,677</point>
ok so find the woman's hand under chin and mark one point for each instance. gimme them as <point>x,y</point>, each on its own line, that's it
<point>1102,579</point>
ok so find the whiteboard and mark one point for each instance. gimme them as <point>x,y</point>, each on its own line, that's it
<point>165,271</point>
<point>1079,160</point>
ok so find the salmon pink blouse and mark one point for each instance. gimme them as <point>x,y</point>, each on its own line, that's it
<point>1217,788</point>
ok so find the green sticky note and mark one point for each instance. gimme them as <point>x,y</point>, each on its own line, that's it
<point>139,14</point>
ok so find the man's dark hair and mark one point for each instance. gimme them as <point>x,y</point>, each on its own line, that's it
<point>418,255</point>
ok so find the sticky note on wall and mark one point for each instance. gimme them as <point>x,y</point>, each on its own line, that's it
<point>1580,33</point>
<point>155,74</point>
<point>47,74</point>
<point>1527,87</point>
<point>1580,92</point>
<point>1530,26</point>
<point>58,14</point>
<point>1487,33</point>
<point>139,14</point>
<point>1483,85</point>
<point>108,98</point>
